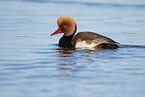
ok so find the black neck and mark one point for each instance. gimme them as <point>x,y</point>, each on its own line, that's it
<point>65,41</point>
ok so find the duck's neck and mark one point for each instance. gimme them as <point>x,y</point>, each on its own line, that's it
<point>65,41</point>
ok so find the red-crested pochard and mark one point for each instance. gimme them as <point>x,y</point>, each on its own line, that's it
<point>68,26</point>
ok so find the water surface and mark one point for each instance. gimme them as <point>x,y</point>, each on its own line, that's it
<point>32,64</point>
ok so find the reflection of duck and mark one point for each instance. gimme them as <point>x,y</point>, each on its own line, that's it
<point>68,26</point>
<point>63,52</point>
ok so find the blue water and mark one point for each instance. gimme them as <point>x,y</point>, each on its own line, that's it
<point>32,64</point>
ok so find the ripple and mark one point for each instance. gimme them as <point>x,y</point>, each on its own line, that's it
<point>91,3</point>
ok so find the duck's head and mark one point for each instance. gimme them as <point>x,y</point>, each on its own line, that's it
<point>66,25</point>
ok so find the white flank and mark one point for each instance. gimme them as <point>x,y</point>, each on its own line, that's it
<point>84,44</point>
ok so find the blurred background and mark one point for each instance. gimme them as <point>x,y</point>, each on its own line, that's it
<point>32,64</point>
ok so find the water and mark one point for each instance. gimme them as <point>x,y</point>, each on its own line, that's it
<point>32,64</point>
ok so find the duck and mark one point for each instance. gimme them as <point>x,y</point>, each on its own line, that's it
<point>68,26</point>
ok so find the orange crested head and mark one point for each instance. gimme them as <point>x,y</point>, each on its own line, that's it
<point>66,25</point>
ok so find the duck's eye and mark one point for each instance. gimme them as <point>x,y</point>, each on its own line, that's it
<point>64,26</point>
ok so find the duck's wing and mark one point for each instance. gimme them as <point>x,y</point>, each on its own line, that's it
<point>97,39</point>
